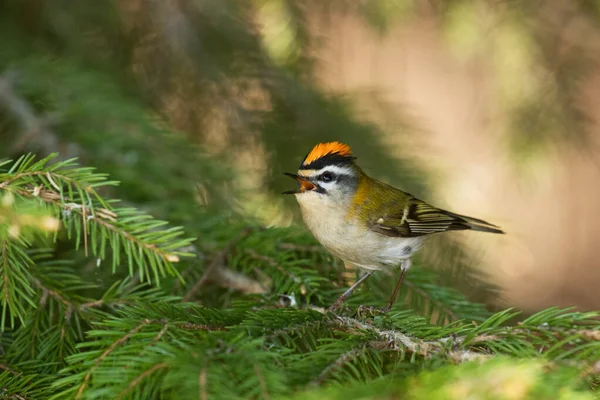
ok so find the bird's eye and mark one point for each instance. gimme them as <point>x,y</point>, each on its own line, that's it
<point>326,176</point>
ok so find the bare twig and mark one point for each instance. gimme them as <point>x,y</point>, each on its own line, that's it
<point>49,292</point>
<point>200,327</point>
<point>234,280</point>
<point>202,385</point>
<point>217,262</point>
<point>7,368</point>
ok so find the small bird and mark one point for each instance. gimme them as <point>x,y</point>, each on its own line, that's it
<point>367,223</point>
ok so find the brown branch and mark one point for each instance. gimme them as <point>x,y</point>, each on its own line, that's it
<point>234,280</point>
<point>261,382</point>
<point>427,349</point>
<point>144,374</point>
<point>46,291</point>
<point>200,327</point>
<point>101,302</point>
<point>217,261</point>
<point>202,385</point>
<point>106,353</point>
<point>398,340</point>
<point>7,368</point>
<point>95,303</point>
<point>158,336</point>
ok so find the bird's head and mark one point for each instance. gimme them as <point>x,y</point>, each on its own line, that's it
<point>328,173</point>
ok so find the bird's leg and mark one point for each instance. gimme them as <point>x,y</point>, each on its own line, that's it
<point>340,300</point>
<point>404,267</point>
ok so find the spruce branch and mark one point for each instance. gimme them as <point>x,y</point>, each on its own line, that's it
<point>141,377</point>
<point>326,346</point>
<point>71,191</point>
<point>274,264</point>
<point>343,360</point>
<point>105,354</point>
<point>25,386</point>
<point>15,285</point>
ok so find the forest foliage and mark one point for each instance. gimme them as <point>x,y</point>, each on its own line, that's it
<point>136,264</point>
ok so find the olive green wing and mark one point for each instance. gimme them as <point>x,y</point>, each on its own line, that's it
<point>418,218</point>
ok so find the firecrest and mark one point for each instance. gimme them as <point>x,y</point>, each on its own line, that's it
<point>367,223</point>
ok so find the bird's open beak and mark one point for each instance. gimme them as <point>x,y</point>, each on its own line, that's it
<point>305,184</point>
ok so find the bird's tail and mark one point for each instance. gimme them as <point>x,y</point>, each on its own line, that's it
<point>475,224</point>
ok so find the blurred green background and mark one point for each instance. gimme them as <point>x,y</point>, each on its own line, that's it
<point>484,107</point>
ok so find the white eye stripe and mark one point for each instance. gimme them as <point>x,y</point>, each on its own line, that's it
<point>337,170</point>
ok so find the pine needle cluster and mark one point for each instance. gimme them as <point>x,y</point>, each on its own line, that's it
<point>244,319</point>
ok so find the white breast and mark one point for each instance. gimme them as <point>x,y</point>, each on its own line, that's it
<point>349,241</point>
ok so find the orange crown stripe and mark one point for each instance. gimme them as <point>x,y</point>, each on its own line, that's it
<point>322,149</point>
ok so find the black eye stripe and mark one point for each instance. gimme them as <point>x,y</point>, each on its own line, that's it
<point>335,177</point>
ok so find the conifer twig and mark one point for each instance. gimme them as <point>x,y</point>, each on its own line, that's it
<point>139,378</point>
<point>156,339</point>
<point>438,304</point>
<point>202,384</point>
<point>99,218</point>
<point>261,382</point>
<point>200,327</point>
<point>338,364</point>
<point>6,368</point>
<point>116,343</point>
<point>273,263</point>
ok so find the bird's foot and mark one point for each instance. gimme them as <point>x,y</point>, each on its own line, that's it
<point>365,311</point>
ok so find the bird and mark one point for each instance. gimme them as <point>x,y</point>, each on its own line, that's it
<point>368,224</point>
